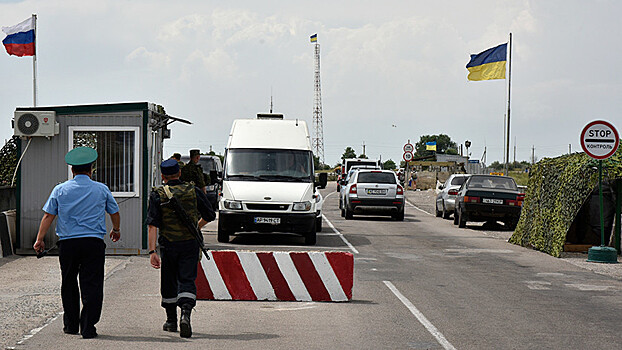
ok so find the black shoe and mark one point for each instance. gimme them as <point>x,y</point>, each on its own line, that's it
<point>70,331</point>
<point>184,323</point>
<point>89,335</point>
<point>170,326</point>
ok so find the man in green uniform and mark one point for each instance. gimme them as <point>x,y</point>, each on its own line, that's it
<point>192,172</point>
<point>179,248</point>
<point>177,157</point>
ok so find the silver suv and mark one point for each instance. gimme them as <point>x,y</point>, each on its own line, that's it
<point>373,192</point>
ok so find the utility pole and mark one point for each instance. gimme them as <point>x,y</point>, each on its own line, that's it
<point>514,149</point>
<point>569,148</point>
<point>363,147</point>
<point>533,154</point>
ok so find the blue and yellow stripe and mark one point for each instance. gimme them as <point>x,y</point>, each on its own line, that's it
<point>313,38</point>
<point>489,64</point>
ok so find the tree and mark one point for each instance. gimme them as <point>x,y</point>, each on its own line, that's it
<point>348,153</point>
<point>389,165</point>
<point>443,144</point>
<point>362,156</point>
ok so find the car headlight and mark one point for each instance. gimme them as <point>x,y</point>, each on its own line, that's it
<point>235,205</point>
<point>302,206</point>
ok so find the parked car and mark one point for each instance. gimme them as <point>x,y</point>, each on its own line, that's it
<point>488,198</point>
<point>446,197</point>
<point>373,192</point>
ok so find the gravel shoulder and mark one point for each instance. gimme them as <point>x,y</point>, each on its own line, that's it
<point>426,201</point>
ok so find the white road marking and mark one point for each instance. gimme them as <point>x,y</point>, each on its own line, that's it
<point>538,285</point>
<point>588,287</point>
<point>354,250</point>
<point>440,338</point>
<point>416,207</point>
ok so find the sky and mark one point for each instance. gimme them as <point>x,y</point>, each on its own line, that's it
<point>391,71</point>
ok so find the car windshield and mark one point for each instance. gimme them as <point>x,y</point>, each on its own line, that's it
<point>458,180</point>
<point>493,182</point>
<point>373,177</point>
<point>269,165</point>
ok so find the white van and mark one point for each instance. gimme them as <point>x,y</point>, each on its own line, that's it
<point>268,179</point>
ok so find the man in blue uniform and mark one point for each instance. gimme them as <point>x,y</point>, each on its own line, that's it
<point>80,206</point>
<point>178,246</point>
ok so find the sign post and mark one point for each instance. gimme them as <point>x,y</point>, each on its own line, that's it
<point>408,156</point>
<point>600,140</point>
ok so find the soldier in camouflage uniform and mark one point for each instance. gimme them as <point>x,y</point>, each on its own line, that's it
<point>192,172</point>
<point>178,247</point>
<point>177,157</point>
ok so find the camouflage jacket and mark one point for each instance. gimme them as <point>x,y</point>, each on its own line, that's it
<point>172,228</point>
<point>193,173</point>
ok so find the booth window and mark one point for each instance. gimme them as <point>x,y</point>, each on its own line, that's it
<point>117,161</point>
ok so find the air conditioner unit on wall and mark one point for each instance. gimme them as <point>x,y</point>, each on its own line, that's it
<point>35,123</point>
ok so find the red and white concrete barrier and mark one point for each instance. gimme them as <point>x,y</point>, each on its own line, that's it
<point>289,276</point>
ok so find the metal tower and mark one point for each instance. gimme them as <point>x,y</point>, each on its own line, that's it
<point>318,139</point>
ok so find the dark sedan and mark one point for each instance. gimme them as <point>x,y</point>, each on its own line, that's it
<point>488,198</point>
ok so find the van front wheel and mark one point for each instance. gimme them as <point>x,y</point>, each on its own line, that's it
<point>223,236</point>
<point>311,237</point>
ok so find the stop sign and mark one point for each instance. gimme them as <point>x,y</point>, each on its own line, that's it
<point>600,139</point>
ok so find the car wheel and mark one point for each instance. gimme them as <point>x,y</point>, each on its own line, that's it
<point>343,212</point>
<point>461,219</point>
<point>311,237</point>
<point>445,213</point>
<point>338,187</point>
<point>455,216</point>
<point>349,214</point>
<point>399,216</point>
<point>438,212</point>
<point>318,224</point>
<point>223,236</point>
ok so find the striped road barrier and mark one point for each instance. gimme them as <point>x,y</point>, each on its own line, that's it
<point>287,276</point>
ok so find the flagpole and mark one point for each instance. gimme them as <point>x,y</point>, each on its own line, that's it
<point>507,143</point>
<point>34,64</point>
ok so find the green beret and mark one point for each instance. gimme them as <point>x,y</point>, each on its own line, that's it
<point>81,156</point>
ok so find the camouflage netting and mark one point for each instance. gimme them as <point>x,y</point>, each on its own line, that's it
<point>557,189</point>
<point>8,161</point>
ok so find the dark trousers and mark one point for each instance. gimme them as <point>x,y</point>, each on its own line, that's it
<point>178,272</point>
<point>82,259</point>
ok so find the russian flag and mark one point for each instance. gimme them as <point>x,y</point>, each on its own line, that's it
<point>20,38</point>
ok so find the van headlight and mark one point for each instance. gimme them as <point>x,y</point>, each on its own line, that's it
<point>234,205</point>
<point>302,206</point>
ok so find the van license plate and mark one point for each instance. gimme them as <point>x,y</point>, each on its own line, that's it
<point>492,201</point>
<point>376,191</point>
<point>271,221</point>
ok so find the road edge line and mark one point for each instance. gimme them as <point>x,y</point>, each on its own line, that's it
<point>440,338</point>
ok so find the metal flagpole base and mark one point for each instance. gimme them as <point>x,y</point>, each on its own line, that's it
<point>602,254</point>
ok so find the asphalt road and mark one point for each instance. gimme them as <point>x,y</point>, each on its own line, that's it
<point>419,284</point>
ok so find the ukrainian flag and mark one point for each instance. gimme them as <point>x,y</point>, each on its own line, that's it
<point>489,64</point>
<point>313,38</point>
<point>430,146</point>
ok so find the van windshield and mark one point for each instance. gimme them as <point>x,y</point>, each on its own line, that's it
<point>269,165</point>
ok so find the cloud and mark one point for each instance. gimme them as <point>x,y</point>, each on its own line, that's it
<point>141,57</point>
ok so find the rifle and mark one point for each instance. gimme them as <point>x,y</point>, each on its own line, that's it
<point>185,219</point>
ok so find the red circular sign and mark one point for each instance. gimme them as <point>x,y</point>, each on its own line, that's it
<point>407,156</point>
<point>600,139</point>
<point>409,147</point>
